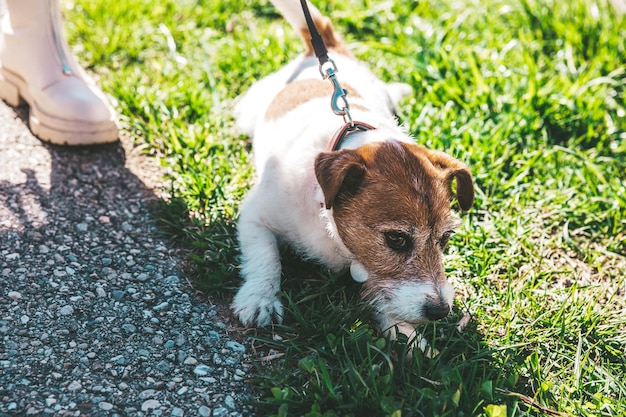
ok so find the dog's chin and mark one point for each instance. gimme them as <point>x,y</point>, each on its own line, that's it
<point>414,338</point>
<point>414,322</point>
<point>408,326</point>
<point>393,325</point>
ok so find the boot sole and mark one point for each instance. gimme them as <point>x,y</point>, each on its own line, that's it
<point>14,90</point>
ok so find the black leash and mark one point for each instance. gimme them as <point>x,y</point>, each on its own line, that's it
<point>316,39</point>
<point>328,70</point>
<point>327,67</point>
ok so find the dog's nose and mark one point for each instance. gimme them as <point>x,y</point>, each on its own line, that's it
<point>436,310</point>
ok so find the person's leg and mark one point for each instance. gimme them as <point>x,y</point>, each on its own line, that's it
<point>36,65</point>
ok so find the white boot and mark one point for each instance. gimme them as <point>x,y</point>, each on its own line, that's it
<point>66,107</point>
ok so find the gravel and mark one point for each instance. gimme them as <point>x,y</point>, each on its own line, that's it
<point>96,317</point>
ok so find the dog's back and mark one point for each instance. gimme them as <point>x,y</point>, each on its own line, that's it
<point>300,80</point>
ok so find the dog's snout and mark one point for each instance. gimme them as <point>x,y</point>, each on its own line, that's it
<point>436,310</point>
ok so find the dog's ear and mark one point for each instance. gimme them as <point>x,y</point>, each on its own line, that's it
<point>455,169</point>
<point>339,174</point>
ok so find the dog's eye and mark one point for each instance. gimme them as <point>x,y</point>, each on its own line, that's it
<point>445,238</point>
<point>398,241</point>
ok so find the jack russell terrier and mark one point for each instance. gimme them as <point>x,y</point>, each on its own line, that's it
<point>376,202</point>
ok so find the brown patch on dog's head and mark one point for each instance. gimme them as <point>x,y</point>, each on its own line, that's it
<point>391,207</point>
<point>341,173</point>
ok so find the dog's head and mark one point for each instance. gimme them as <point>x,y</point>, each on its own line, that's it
<point>391,206</point>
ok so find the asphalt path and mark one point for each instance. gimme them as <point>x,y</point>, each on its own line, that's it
<point>96,315</point>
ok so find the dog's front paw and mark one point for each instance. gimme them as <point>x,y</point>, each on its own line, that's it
<point>257,308</point>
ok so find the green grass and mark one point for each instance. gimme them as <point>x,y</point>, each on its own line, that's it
<point>531,94</point>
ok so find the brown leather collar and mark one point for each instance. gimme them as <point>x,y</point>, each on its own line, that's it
<point>346,130</point>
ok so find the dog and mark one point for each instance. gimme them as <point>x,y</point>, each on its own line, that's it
<point>377,203</point>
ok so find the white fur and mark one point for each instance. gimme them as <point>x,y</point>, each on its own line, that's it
<point>401,303</point>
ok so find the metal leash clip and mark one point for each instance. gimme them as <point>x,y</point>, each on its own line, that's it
<point>331,69</point>
<point>338,92</point>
